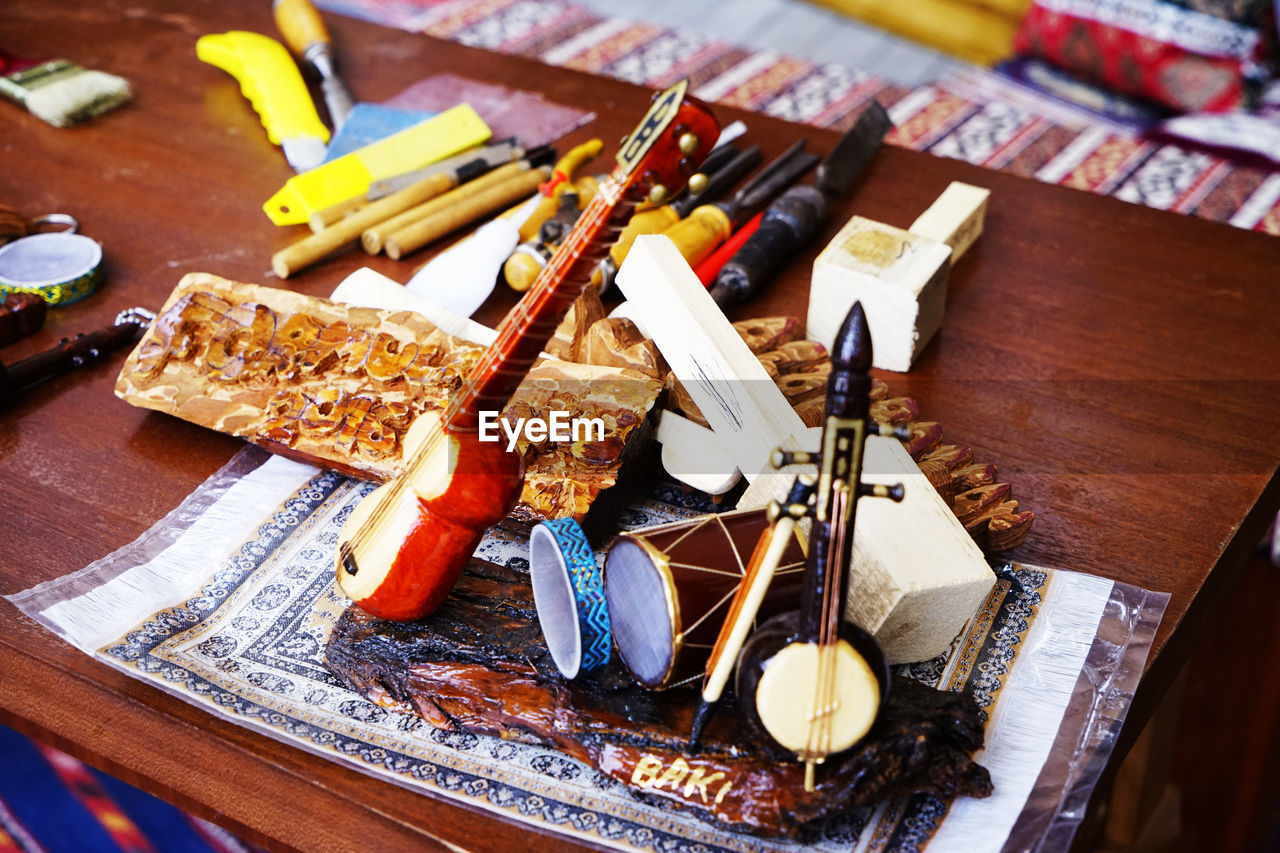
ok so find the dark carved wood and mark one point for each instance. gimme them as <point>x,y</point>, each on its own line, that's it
<point>479,664</point>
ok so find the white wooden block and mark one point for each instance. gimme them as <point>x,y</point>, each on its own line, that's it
<point>917,576</point>
<point>955,217</point>
<point>748,412</point>
<point>900,278</point>
<point>692,454</point>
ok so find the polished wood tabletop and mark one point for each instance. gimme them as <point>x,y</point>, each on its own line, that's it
<point>1121,365</point>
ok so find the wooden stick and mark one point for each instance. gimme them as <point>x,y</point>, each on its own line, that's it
<point>376,233</point>
<point>322,219</point>
<point>310,249</point>
<point>463,211</point>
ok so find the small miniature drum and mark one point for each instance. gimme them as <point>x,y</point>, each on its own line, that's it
<point>668,590</point>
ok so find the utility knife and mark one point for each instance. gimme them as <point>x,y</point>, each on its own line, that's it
<point>272,83</point>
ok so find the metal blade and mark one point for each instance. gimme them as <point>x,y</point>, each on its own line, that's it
<point>303,152</point>
<point>492,155</point>
<point>838,169</point>
<point>337,99</point>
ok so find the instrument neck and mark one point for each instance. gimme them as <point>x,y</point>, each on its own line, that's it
<point>826,588</point>
<point>524,333</point>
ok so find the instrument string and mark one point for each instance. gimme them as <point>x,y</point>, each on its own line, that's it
<point>595,216</point>
<point>818,740</point>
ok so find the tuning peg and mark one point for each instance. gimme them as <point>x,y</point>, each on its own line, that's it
<point>658,194</point>
<point>782,458</point>
<point>698,184</point>
<point>893,493</point>
<point>898,431</point>
<point>689,143</point>
<point>777,511</point>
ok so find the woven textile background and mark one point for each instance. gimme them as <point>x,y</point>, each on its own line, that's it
<point>968,116</point>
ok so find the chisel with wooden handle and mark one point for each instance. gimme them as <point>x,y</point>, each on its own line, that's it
<point>699,233</point>
<point>792,221</point>
<point>305,33</point>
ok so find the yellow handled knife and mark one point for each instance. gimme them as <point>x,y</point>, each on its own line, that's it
<point>272,83</point>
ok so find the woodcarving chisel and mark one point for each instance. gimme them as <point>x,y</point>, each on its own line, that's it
<point>305,33</point>
<point>793,220</point>
<point>708,225</point>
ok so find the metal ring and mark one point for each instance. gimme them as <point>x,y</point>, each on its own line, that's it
<point>71,223</point>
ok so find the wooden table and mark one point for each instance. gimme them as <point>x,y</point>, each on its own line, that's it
<point>1120,364</point>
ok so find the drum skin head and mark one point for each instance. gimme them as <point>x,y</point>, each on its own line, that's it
<point>640,594</point>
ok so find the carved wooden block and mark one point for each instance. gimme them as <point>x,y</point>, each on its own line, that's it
<point>337,386</point>
<point>479,664</point>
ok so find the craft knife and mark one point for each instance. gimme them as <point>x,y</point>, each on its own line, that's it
<point>491,155</point>
<point>272,83</point>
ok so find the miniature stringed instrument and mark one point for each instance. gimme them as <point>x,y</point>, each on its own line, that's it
<point>812,681</point>
<point>405,545</point>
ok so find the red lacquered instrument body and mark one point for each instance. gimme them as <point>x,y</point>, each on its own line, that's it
<point>405,545</point>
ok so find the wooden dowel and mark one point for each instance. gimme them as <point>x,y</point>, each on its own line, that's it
<point>464,212</point>
<point>323,219</point>
<point>308,250</point>
<point>376,233</point>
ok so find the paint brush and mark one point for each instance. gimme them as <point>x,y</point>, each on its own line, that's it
<point>61,92</point>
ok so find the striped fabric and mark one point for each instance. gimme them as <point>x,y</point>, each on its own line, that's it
<point>52,803</point>
<point>967,116</point>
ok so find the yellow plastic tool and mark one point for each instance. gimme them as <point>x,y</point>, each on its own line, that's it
<point>272,83</point>
<point>348,176</point>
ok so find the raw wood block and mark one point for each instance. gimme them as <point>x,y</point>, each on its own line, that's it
<point>900,278</point>
<point>917,575</point>
<point>954,218</point>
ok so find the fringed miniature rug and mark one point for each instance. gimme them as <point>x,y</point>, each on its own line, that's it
<point>228,603</point>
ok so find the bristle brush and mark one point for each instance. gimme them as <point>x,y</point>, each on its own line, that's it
<point>61,92</point>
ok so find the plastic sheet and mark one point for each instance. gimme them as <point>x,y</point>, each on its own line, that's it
<point>1091,723</point>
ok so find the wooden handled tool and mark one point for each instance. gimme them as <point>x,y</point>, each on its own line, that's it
<point>795,218</point>
<point>709,225</point>
<point>561,179</point>
<point>724,168</point>
<point>304,31</point>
